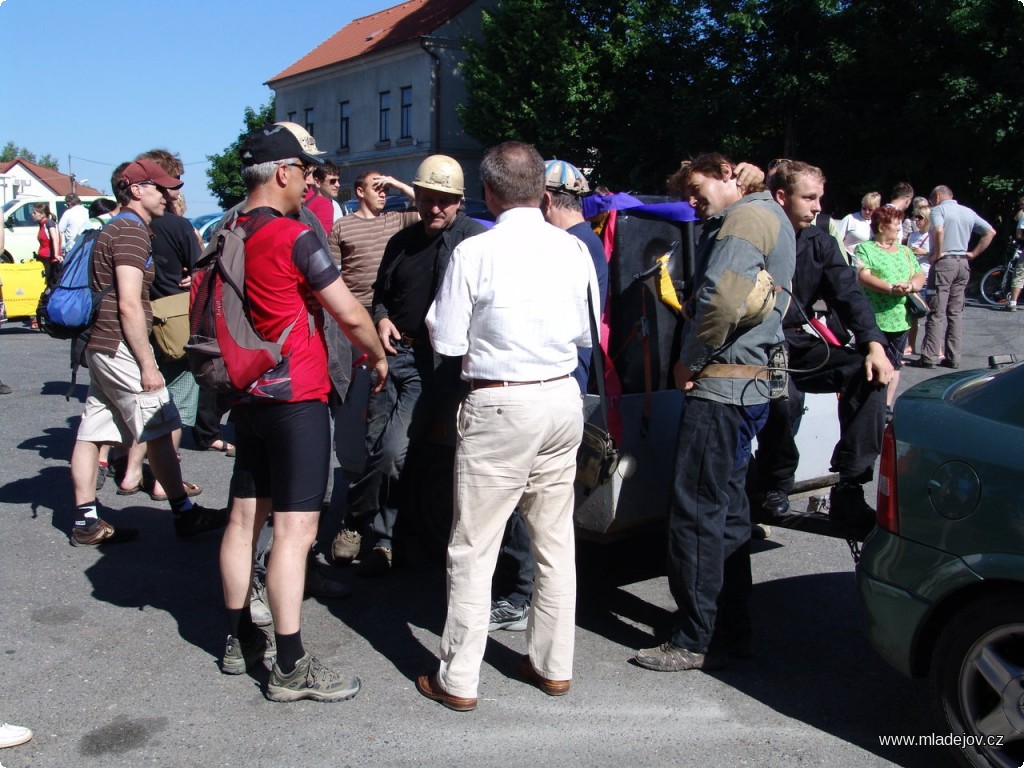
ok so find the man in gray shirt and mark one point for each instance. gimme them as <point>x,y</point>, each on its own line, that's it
<point>952,227</point>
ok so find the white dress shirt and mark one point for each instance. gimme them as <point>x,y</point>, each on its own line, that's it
<point>513,301</point>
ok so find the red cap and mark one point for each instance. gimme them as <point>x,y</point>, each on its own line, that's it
<point>146,170</point>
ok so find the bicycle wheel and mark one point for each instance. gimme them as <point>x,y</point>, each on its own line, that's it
<point>991,286</point>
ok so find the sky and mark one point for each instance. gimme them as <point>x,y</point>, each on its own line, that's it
<point>94,84</point>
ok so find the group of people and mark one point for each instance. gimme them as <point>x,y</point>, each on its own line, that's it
<point>442,318</point>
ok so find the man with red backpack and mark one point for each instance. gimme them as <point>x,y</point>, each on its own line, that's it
<point>283,429</point>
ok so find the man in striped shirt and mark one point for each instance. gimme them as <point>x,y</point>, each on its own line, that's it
<point>128,400</point>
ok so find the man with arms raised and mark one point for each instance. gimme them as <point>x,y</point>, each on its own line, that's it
<point>414,262</point>
<point>746,248</point>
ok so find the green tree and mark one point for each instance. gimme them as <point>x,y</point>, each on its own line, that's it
<point>12,151</point>
<point>225,172</point>
<point>533,79</point>
<point>872,91</point>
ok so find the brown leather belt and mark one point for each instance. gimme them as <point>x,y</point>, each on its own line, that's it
<point>488,383</point>
<point>723,371</point>
<point>408,340</point>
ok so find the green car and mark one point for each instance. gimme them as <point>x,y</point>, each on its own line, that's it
<point>942,575</point>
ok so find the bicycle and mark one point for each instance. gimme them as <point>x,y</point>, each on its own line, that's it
<point>995,284</point>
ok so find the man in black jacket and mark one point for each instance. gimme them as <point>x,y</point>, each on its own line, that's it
<point>410,271</point>
<point>858,374</point>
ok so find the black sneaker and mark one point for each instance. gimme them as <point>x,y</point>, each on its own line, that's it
<point>199,520</point>
<point>848,508</point>
<point>775,503</point>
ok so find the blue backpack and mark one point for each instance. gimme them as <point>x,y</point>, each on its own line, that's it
<point>69,308</point>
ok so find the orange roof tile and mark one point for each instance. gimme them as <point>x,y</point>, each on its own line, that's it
<point>392,26</point>
<point>57,182</point>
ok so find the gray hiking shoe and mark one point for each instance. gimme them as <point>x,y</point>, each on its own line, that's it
<point>259,608</point>
<point>504,615</point>
<point>240,656</point>
<point>310,680</point>
<point>670,658</point>
<point>345,547</point>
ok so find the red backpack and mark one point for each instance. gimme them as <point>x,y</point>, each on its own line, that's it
<point>225,352</point>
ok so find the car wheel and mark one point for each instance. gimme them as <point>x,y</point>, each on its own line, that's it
<point>978,670</point>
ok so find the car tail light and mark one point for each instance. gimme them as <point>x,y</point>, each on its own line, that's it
<point>887,508</point>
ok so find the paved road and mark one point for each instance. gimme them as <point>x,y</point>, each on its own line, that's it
<point>110,656</point>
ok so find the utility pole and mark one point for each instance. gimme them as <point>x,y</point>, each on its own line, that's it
<point>71,173</point>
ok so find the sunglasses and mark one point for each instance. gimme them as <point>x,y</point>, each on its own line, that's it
<point>777,162</point>
<point>918,217</point>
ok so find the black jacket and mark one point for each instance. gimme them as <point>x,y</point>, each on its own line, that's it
<point>823,274</point>
<point>462,228</point>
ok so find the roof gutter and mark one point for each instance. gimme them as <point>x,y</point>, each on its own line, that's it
<point>430,43</point>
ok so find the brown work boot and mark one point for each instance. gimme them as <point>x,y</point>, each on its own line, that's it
<point>376,563</point>
<point>345,547</point>
<point>102,533</point>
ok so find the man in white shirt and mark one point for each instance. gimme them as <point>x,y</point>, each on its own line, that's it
<point>513,303</point>
<point>72,222</point>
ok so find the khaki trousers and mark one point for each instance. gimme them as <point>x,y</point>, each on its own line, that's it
<point>516,447</point>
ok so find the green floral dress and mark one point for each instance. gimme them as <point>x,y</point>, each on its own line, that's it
<point>896,267</point>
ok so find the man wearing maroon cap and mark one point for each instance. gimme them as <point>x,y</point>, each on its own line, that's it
<point>127,398</point>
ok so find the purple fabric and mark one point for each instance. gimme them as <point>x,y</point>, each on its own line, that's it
<point>670,211</point>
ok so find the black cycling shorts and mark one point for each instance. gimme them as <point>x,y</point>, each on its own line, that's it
<point>283,453</point>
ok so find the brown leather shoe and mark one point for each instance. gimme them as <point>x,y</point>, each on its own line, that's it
<point>102,533</point>
<point>550,687</point>
<point>429,687</point>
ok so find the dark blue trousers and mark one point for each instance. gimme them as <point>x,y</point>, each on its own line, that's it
<point>709,523</point>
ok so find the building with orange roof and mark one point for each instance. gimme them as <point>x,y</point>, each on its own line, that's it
<point>381,93</point>
<point>22,178</point>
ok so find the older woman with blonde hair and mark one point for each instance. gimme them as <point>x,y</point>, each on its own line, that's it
<point>855,228</point>
<point>920,242</point>
<point>888,272</point>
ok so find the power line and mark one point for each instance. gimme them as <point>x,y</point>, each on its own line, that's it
<point>113,165</point>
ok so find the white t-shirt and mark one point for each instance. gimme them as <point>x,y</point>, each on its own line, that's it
<point>71,225</point>
<point>854,229</point>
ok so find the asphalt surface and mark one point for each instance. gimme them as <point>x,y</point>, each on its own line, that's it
<point>110,655</point>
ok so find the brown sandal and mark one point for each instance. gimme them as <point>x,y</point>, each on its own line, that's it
<point>190,488</point>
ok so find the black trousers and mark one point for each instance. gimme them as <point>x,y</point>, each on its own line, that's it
<point>709,524</point>
<point>861,409</point>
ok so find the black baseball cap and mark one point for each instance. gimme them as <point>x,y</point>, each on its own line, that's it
<point>280,141</point>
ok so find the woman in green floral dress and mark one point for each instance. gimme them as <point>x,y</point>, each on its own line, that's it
<point>888,272</point>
